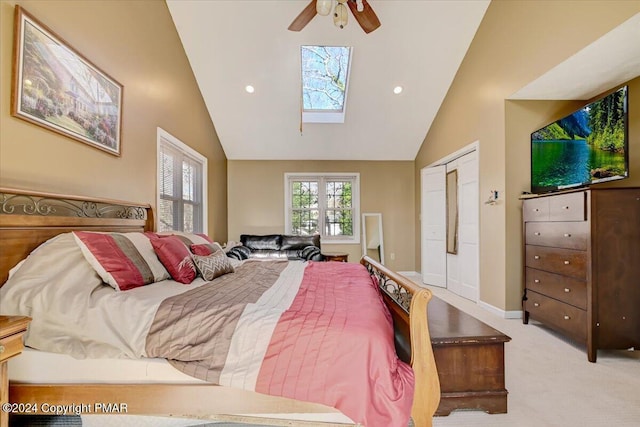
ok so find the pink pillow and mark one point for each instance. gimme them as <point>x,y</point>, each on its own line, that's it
<point>175,256</point>
<point>187,238</point>
<point>205,249</point>
<point>123,260</point>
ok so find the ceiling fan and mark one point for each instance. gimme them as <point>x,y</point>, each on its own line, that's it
<point>360,9</point>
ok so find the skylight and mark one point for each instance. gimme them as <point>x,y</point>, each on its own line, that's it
<point>325,80</point>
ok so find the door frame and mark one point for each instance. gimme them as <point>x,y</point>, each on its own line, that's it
<point>474,146</point>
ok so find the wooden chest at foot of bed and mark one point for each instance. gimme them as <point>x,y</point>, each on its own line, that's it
<point>469,357</point>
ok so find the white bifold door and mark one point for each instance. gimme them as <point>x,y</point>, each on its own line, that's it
<point>434,226</point>
<point>459,271</point>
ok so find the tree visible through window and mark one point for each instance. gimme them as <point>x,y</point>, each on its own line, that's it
<point>339,212</point>
<point>323,205</point>
<point>305,208</point>
<point>325,78</point>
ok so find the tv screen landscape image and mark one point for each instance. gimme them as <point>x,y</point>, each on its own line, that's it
<point>583,148</point>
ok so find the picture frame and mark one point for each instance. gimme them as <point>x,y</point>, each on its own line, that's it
<point>56,87</point>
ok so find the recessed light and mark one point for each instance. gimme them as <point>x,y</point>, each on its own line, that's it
<point>249,89</point>
<point>397,90</point>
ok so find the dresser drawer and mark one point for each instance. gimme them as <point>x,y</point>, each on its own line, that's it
<point>558,315</point>
<point>568,207</point>
<point>10,346</point>
<point>567,262</point>
<point>565,289</point>
<point>536,209</point>
<point>568,235</point>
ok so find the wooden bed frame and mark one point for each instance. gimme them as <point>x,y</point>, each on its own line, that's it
<point>29,218</point>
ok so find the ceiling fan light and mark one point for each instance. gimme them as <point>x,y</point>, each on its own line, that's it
<point>340,15</point>
<point>323,7</point>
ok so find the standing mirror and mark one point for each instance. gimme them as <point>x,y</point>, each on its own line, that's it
<point>372,242</point>
<point>452,212</point>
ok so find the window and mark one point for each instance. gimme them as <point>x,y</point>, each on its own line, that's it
<point>325,80</point>
<point>182,187</point>
<point>327,204</point>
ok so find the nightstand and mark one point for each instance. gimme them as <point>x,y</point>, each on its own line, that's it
<point>336,256</point>
<point>11,330</point>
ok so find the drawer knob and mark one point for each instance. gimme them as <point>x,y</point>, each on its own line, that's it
<point>536,210</point>
<point>535,304</point>
<point>567,263</point>
<point>1,349</point>
<point>566,317</point>
<point>537,233</point>
<point>536,280</point>
<point>565,207</point>
<point>567,235</point>
<point>567,290</point>
<point>536,257</point>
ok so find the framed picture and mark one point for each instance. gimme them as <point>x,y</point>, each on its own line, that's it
<point>56,87</point>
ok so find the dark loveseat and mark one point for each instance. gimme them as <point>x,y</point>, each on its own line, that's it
<point>277,246</point>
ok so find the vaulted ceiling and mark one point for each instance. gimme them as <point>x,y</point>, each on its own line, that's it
<point>231,44</point>
<point>419,46</point>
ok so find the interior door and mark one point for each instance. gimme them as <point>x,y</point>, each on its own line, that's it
<point>434,226</point>
<point>463,267</point>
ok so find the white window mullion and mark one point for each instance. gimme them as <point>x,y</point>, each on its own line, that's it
<point>171,149</point>
<point>322,180</point>
<point>322,205</point>
<point>177,186</point>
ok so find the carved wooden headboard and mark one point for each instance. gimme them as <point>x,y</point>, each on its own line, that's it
<point>28,218</point>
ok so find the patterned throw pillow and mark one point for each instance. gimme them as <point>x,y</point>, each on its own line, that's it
<point>175,256</point>
<point>123,260</point>
<point>212,266</point>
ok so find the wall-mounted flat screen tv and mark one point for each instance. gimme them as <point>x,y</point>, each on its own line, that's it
<point>586,147</point>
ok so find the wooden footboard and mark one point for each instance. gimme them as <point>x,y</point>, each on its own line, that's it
<point>197,401</point>
<point>407,303</point>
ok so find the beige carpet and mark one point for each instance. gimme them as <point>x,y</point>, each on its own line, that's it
<point>551,382</point>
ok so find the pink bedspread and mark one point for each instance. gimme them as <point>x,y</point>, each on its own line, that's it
<point>330,342</point>
<point>335,346</point>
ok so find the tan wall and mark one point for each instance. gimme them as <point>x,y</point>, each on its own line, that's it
<point>136,43</point>
<point>256,201</point>
<point>523,117</point>
<point>516,42</point>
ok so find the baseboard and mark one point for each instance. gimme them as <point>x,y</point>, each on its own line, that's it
<point>411,274</point>
<point>512,314</point>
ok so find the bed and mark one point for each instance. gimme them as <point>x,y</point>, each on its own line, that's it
<point>27,219</point>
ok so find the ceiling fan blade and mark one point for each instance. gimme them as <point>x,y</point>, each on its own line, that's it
<point>304,17</point>
<point>367,19</point>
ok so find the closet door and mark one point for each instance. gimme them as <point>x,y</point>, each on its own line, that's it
<point>462,267</point>
<point>434,226</point>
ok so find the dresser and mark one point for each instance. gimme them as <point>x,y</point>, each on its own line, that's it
<point>11,330</point>
<point>582,266</point>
